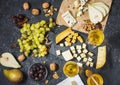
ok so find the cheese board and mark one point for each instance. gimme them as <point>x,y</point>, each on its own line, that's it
<point>68,5</point>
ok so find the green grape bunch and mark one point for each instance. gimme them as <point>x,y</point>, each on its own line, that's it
<point>33,37</point>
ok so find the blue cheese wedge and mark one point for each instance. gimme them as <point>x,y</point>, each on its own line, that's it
<point>67,55</point>
<point>69,19</point>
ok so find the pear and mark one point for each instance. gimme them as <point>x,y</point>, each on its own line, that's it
<point>94,14</point>
<point>8,60</point>
<point>102,9</point>
<point>13,75</point>
<point>101,4</point>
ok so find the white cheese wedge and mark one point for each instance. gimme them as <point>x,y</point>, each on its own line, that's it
<point>69,19</point>
<point>67,55</point>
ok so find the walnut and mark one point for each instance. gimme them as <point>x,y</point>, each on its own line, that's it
<point>35,11</point>
<point>55,75</point>
<point>45,5</point>
<point>21,57</point>
<point>26,6</point>
<point>53,66</point>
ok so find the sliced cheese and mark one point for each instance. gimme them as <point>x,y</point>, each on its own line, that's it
<point>67,55</point>
<point>101,57</point>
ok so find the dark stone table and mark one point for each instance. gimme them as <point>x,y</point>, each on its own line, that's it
<point>9,34</point>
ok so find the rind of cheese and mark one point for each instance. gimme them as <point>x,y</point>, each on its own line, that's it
<point>101,57</point>
<point>62,35</point>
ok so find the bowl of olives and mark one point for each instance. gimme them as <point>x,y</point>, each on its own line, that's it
<point>38,72</point>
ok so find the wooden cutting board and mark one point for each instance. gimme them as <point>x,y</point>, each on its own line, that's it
<point>68,5</point>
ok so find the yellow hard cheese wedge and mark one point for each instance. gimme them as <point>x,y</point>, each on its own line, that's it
<point>101,57</point>
<point>62,35</point>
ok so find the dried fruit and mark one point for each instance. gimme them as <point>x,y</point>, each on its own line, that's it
<point>38,71</point>
<point>35,11</point>
<point>20,20</point>
<point>45,5</point>
<point>26,5</point>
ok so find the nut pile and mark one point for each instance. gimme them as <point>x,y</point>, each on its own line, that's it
<point>88,26</point>
<point>48,9</point>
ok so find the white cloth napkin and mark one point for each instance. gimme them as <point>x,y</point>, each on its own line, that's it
<point>68,81</point>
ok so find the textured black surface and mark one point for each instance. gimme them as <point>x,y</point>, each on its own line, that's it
<point>9,35</point>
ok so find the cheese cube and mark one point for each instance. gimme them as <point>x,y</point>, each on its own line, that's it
<point>66,43</point>
<point>87,63</point>
<point>72,48</point>
<point>61,44</point>
<point>67,55</point>
<point>91,64</point>
<point>82,55</point>
<point>85,59</point>
<point>84,45</point>
<point>78,47</point>
<point>90,54</point>
<point>79,51</point>
<point>79,58</point>
<point>85,51</point>
<point>58,52</point>
<point>73,41</point>
<point>75,55</point>
<point>80,39</point>
<point>73,51</point>
<point>80,65</point>
<point>68,39</point>
<point>90,59</point>
<point>69,19</point>
<point>70,36</point>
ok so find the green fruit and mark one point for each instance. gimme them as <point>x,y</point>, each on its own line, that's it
<point>13,75</point>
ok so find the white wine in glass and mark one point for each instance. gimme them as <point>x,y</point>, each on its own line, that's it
<point>95,37</point>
